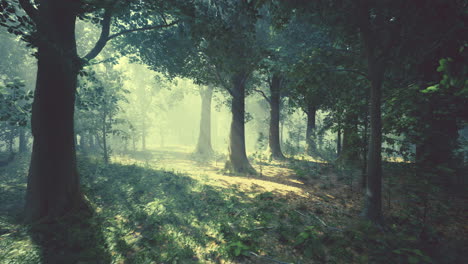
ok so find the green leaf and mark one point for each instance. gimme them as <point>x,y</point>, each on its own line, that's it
<point>431,89</point>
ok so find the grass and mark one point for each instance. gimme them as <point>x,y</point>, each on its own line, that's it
<point>163,207</point>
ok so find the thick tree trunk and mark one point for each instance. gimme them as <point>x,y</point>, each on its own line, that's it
<point>310,133</point>
<point>204,147</point>
<point>238,162</point>
<point>53,182</point>
<point>274,136</point>
<point>373,200</point>
<point>23,147</point>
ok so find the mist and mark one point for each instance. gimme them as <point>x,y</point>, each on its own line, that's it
<point>233,131</point>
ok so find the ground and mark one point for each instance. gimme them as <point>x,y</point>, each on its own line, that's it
<point>167,206</point>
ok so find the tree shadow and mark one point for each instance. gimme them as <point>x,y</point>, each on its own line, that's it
<point>162,216</point>
<point>71,239</point>
<point>74,238</point>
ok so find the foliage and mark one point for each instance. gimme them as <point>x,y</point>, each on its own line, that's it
<point>15,102</point>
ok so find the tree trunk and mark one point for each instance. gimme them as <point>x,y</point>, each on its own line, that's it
<point>376,70</point>
<point>11,140</point>
<point>351,142</point>
<point>143,139</point>
<point>133,142</point>
<point>53,182</point>
<point>373,200</point>
<point>104,141</point>
<point>204,147</point>
<point>310,133</point>
<point>238,162</point>
<point>365,139</point>
<point>83,146</point>
<point>22,140</point>
<point>338,143</point>
<point>274,136</point>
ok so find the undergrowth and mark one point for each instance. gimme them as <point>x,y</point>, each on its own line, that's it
<point>142,215</point>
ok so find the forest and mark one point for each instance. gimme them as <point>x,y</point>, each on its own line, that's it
<point>233,131</point>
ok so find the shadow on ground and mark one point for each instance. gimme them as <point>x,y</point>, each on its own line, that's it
<point>72,239</point>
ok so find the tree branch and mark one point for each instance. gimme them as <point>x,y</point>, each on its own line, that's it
<point>142,29</point>
<point>223,82</point>
<point>263,94</point>
<point>105,34</point>
<point>103,38</point>
<point>30,10</point>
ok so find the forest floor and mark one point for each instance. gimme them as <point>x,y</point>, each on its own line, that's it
<point>167,206</point>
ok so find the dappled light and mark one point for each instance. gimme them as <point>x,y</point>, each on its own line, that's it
<point>225,132</point>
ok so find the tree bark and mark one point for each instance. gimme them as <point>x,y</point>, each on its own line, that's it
<point>53,182</point>
<point>238,162</point>
<point>310,133</point>
<point>274,136</point>
<point>204,147</point>
<point>373,200</point>
<point>376,70</point>
<point>365,139</point>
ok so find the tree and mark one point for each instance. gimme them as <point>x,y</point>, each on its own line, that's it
<point>212,49</point>
<point>53,181</point>
<point>204,147</point>
<point>385,31</point>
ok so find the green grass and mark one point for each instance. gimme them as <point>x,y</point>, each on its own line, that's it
<point>143,215</point>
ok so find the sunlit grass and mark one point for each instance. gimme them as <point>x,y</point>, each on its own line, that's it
<point>275,176</point>
<point>164,206</point>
